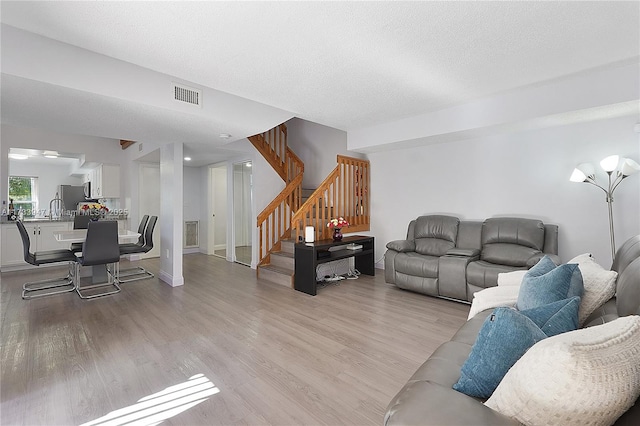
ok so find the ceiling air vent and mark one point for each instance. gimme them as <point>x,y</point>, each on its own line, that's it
<point>187,94</point>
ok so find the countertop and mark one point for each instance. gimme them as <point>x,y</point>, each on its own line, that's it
<point>4,220</point>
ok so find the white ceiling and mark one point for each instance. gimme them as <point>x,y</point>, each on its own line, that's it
<point>341,64</point>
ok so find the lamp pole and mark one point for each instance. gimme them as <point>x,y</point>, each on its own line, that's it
<point>586,173</point>
<point>610,203</point>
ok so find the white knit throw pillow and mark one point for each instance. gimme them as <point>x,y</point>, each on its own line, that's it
<point>599,285</point>
<point>588,376</point>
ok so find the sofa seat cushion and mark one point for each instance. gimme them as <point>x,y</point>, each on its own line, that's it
<point>508,254</point>
<point>417,265</point>
<point>485,274</point>
<point>424,402</point>
<point>443,366</point>
<point>588,376</point>
<point>468,333</point>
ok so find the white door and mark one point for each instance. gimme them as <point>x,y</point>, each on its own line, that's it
<point>150,201</point>
<point>217,226</point>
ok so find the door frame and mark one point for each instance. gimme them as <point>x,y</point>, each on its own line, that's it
<point>251,240</point>
<point>211,210</point>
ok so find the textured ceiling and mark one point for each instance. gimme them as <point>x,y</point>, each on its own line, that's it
<point>347,64</point>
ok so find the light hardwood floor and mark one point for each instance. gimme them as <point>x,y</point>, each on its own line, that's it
<point>276,356</point>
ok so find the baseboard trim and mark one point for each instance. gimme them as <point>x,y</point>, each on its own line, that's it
<point>170,279</point>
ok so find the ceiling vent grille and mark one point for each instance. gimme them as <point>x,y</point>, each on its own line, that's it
<point>187,94</point>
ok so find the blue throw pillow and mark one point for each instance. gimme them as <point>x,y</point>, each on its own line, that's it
<point>505,336</point>
<point>559,283</point>
<point>543,266</point>
<point>555,318</point>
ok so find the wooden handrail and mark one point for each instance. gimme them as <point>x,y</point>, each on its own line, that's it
<point>272,144</point>
<point>344,192</point>
<point>274,222</point>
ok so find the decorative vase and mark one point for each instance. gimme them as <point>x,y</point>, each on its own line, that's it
<point>337,234</point>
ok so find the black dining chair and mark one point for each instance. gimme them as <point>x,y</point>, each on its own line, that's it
<point>79,222</point>
<point>144,245</point>
<point>99,248</point>
<point>34,289</point>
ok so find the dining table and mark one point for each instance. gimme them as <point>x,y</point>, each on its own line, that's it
<point>98,272</point>
<point>79,235</point>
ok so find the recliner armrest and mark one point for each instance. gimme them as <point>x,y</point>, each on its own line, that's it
<point>462,252</point>
<point>402,245</point>
<point>533,260</point>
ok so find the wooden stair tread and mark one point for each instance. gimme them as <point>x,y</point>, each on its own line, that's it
<point>278,269</point>
<point>283,254</point>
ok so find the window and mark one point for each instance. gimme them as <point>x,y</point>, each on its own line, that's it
<point>24,192</point>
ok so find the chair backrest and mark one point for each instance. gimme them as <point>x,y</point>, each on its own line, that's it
<point>101,245</point>
<point>26,244</point>
<point>434,235</point>
<point>148,234</point>
<point>81,221</point>
<point>511,241</point>
<point>141,229</point>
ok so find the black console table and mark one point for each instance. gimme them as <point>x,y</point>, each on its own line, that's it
<point>309,255</point>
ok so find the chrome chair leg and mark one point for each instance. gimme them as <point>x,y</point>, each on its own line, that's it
<point>134,274</point>
<point>33,289</point>
<point>112,281</point>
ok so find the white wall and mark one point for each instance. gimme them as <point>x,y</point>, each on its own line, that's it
<point>521,174</point>
<point>50,176</point>
<point>317,146</point>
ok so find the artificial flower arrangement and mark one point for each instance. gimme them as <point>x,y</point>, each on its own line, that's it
<point>95,207</point>
<point>337,223</point>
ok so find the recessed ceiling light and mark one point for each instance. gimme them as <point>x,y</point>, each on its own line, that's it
<point>187,158</point>
<point>225,135</point>
<point>51,154</point>
<point>18,156</point>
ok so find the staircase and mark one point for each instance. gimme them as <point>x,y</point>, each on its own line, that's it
<point>343,193</point>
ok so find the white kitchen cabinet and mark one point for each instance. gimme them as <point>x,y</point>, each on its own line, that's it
<point>40,237</point>
<point>105,181</point>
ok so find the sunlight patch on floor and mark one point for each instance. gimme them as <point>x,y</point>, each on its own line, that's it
<point>153,409</point>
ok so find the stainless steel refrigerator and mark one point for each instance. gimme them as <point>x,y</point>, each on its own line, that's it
<point>71,195</point>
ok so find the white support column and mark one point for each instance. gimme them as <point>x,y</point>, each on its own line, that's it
<point>171,178</point>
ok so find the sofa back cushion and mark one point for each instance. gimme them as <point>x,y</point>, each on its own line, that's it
<point>511,241</point>
<point>435,234</point>
<point>628,290</point>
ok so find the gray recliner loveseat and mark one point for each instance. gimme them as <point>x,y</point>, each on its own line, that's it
<point>428,397</point>
<point>444,256</point>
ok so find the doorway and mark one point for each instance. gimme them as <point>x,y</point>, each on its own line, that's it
<point>217,226</point>
<point>242,219</point>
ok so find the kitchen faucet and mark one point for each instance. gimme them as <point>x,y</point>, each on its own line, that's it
<point>60,205</point>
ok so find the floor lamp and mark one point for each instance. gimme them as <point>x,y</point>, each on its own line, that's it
<point>616,170</point>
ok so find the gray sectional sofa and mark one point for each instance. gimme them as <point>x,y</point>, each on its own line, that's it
<point>428,397</point>
<point>444,256</point>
